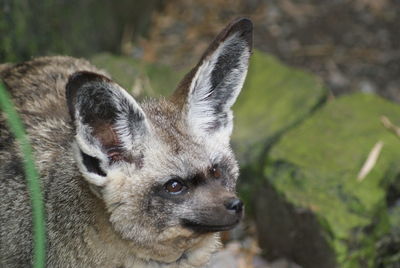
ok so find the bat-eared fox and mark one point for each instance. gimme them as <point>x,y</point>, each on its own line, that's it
<point>125,184</point>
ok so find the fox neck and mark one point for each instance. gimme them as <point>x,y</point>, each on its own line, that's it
<point>174,245</point>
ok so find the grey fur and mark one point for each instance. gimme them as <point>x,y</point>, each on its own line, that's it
<point>108,209</point>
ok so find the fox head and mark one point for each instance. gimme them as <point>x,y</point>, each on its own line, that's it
<point>164,167</point>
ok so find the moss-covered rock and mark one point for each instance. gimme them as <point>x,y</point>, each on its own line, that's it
<point>274,98</point>
<point>388,246</point>
<point>314,168</point>
<point>139,78</point>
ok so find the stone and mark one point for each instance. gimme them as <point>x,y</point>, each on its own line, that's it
<point>275,97</point>
<point>310,206</point>
<point>139,78</point>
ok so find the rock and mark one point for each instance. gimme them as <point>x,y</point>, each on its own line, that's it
<point>137,77</point>
<point>388,246</point>
<point>282,263</point>
<point>310,207</point>
<point>274,98</point>
<point>237,255</point>
<point>224,258</point>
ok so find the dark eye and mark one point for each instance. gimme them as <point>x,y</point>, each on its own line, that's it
<point>174,186</point>
<point>215,172</point>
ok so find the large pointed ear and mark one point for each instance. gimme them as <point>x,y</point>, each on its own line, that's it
<point>109,124</point>
<point>207,93</point>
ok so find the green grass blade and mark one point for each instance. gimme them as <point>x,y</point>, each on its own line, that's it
<point>31,174</point>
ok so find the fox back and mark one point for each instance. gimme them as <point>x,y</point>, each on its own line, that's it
<point>125,184</point>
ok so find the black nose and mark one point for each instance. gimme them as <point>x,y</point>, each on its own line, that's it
<point>236,205</point>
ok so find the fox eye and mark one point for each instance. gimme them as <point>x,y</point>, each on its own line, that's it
<point>215,171</point>
<point>174,187</point>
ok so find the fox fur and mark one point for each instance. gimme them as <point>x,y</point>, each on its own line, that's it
<point>125,184</point>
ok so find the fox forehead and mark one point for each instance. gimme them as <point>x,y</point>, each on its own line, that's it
<point>170,126</point>
<point>166,124</point>
<point>172,149</point>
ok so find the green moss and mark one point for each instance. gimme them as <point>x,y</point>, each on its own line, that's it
<point>325,153</point>
<point>274,98</point>
<point>151,79</point>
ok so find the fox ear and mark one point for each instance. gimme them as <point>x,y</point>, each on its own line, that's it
<point>208,92</point>
<point>109,124</point>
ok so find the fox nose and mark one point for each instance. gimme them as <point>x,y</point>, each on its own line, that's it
<point>234,205</point>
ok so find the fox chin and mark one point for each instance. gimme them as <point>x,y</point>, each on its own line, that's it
<point>125,183</point>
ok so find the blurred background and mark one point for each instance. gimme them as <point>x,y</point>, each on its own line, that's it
<point>316,129</point>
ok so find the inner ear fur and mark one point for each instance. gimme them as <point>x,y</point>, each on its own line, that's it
<point>108,121</point>
<point>243,26</point>
<point>208,91</point>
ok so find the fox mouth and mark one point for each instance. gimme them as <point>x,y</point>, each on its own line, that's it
<point>207,228</point>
